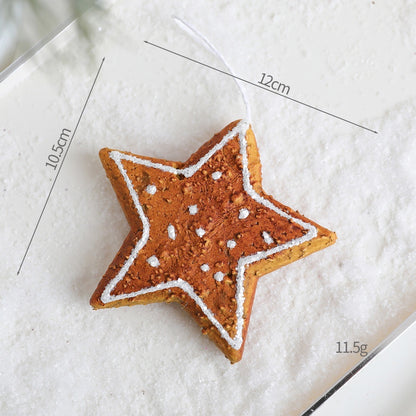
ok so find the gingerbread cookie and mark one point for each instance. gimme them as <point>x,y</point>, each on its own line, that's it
<point>202,233</point>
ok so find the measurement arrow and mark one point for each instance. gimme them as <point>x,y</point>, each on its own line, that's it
<point>60,167</point>
<point>259,86</point>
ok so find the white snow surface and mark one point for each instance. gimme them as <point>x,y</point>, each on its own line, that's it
<point>355,59</point>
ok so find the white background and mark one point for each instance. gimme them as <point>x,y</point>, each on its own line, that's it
<point>355,59</point>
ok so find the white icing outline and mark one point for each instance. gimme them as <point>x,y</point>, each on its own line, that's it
<point>240,129</point>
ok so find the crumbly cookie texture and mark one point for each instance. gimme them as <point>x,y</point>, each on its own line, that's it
<point>202,233</point>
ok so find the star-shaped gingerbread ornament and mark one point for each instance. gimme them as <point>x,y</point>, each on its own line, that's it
<point>202,233</point>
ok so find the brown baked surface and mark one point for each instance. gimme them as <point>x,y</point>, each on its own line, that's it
<point>219,203</point>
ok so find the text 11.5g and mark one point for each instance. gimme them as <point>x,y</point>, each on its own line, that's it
<point>351,348</point>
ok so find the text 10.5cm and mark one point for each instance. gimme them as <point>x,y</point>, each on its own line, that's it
<point>58,149</point>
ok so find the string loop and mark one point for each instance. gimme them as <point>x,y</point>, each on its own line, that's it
<point>208,45</point>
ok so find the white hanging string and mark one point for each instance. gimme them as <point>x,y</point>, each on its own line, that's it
<point>208,45</point>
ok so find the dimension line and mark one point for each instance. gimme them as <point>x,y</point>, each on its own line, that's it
<point>258,86</point>
<point>60,167</point>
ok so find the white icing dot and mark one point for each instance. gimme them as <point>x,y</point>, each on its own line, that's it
<point>200,232</point>
<point>219,276</point>
<point>243,213</point>
<point>205,267</point>
<point>216,175</point>
<point>171,232</point>
<point>193,209</point>
<point>151,189</point>
<point>267,238</point>
<point>153,261</point>
<point>231,243</point>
